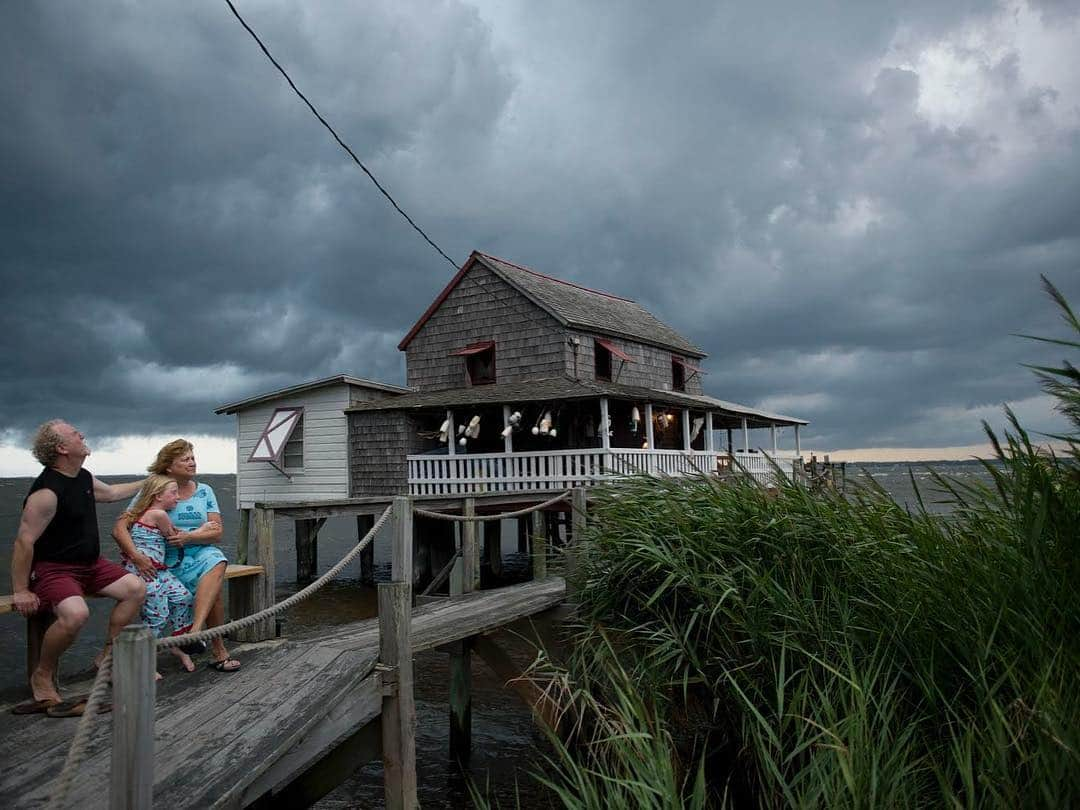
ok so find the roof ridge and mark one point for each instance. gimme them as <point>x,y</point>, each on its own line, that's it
<point>558,280</point>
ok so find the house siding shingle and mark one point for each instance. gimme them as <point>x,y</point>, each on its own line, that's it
<point>651,367</point>
<point>528,341</point>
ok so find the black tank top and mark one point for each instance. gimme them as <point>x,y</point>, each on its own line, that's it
<point>72,534</point>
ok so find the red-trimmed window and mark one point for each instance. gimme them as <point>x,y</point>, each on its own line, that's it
<point>282,436</point>
<point>479,362</point>
<point>603,353</point>
<point>679,369</point>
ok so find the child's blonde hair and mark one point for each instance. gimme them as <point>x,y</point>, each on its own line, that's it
<point>154,486</point>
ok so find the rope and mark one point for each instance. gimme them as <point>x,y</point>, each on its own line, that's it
<point>296,598</point>
<point>77,752</point>
<point>504,516</point>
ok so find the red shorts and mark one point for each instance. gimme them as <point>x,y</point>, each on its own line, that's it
<point>53,582</point>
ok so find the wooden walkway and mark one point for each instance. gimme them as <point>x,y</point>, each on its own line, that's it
<point>229,740</point>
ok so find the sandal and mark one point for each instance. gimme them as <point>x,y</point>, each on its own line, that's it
<point>35,706</point>
<point>223,665</point>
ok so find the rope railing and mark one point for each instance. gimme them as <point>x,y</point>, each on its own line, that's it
<point>77,752</point>
<point>247,621</point>
<point>503,516</point>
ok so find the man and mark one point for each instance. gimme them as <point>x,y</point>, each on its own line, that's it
<point>57,558</point>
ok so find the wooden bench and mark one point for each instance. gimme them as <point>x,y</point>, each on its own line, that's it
<point>246,595</point>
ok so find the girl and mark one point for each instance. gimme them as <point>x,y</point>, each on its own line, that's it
<point>167,608</point>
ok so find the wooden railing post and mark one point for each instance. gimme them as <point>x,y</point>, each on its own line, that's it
<point>401,552</point>
<point>132,783</point>
<point>398,707</point>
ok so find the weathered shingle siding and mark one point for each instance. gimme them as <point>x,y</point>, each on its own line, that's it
<point>528,341</point>
<point>651,367</point>
<point>378,444</point>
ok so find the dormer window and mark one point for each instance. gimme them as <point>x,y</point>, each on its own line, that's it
<point>604,354</point>
<point>678,375</point>
<point>479,362</point>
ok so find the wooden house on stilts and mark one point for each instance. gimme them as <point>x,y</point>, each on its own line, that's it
<point>517,382</point>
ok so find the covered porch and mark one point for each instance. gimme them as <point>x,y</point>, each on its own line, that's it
<point>593,439</point>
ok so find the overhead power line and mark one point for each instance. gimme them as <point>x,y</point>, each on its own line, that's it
<point>337,137</point>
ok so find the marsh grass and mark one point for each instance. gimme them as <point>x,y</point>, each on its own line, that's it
<point>738,647</point>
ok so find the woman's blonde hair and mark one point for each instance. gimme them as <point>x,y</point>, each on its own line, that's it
<point>154,486</point>
<point>168,454</point>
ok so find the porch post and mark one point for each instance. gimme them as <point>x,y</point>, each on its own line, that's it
<point>686,429</point>
<point>605,424</point>
<point>649,438</point>
<point>798,446</point>
<point>710,445</point>
<point>451,436</point>
<point>772,433</point>
<point>730,443</point>
<point>508,441</point>
<point>745,436</point>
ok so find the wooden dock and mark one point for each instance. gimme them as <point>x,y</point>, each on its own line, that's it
<point>298,718</point>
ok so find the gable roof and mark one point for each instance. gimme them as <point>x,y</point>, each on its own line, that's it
<point>311,385</point>
<point>572,305</point>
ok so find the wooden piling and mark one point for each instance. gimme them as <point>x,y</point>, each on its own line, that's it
<point>460,683</point>
<point>493,547</point>
<point>242,533</point>
<point>307,550</point>
<point>539,545</point>
<point>367,556</point>
<point>132,780</point>
<point>398,707</point>
<point>522,534</point>
<point>401,552</point>
<point>470,555</point>
<point>251,594</point>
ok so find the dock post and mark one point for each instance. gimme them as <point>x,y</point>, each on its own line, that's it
<point>460,684</point>
<point>398,707</point>
<point>246,599</point>
<point>132,778</point>
<point>307,550</point>
<point>367,556</point>
<point>522,535</point>
<point>242,533</point>
<point>470,555</point>
<point>539,545</point>
<point>493,546</point>
<point>401,553</point>
<point>579,521</point>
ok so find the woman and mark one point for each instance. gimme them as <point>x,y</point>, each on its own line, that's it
<point>193,555</point>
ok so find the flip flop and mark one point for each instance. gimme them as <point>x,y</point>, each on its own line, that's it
<point>223,665</point>
<point>75,708</point>
<point>34,706</point>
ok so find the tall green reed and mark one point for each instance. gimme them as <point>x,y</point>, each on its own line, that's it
<point>744,647</point>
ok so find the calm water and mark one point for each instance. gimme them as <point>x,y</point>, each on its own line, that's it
<point>506,745</point>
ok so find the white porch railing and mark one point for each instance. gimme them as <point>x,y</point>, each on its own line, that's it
<point>564,469</point>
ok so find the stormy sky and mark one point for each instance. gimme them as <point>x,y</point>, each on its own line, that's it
<point>847,204</point>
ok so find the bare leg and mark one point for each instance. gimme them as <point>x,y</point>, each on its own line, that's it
<point>208,601</point>
<point>129,592</point>
<point>185,659</point>
<point>71,615</point>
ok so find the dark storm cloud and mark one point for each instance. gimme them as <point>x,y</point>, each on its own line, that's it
<point>783,184</point>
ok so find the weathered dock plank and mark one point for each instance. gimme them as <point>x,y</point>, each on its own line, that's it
<point>224,740</point>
